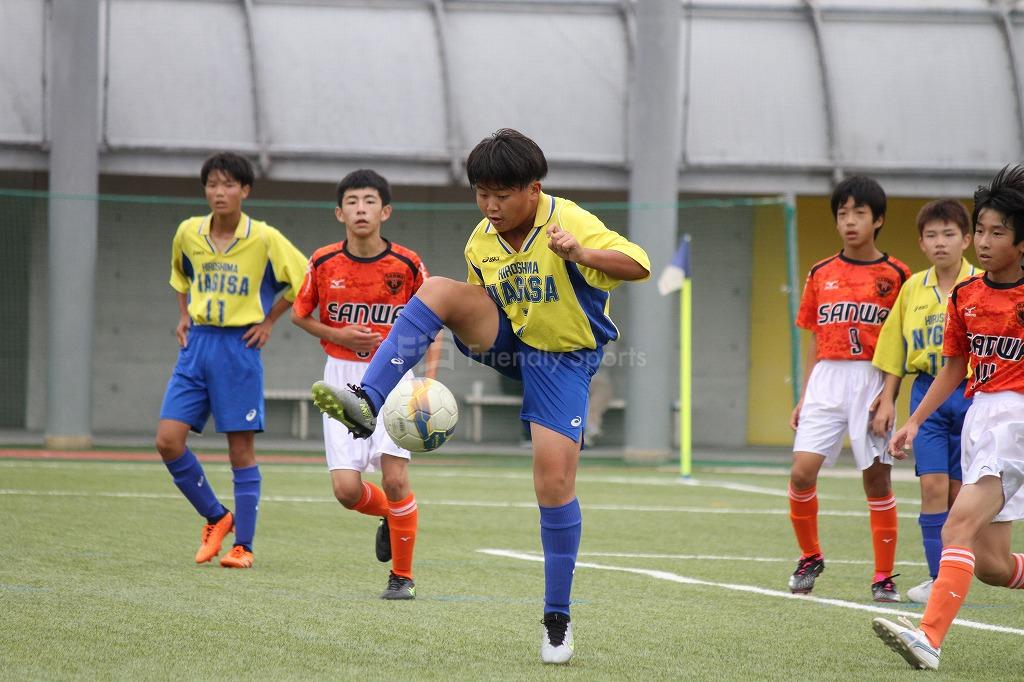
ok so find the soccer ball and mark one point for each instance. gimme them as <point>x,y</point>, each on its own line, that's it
<point>420,414</point>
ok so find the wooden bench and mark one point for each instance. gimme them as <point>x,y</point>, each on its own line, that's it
<point>300,411</point>
<point>477,400</point>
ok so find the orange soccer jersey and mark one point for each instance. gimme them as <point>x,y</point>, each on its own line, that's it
<point>365,291</point>
<point>846,301</point>
<point>985,322</point>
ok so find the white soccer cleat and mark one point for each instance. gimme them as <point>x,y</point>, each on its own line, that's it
<point>909,642</point>
<point>556,638</point>
<point>919,594</point>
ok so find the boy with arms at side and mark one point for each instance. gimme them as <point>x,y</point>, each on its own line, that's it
<point>359,285</point>
<point>984,329</point>
<point>226,269</point>
<point>535,308</point>
<point>846,299</point>
<point>911,342</point>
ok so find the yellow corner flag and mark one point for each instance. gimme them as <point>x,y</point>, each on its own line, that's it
<point>676,277</point>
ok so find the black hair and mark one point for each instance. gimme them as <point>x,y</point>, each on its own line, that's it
<point>362,179</point>
<point>864,191</point>
<point>944,211</point>
<point>506,159</point>
<point>1004,194</point>
<point>230,164</point>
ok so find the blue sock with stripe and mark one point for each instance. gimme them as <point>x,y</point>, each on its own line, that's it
<point>560,530</point>
<point>190,478</point>
<point>413,332</point>
<point>931,534</point>
<point>247,503</point>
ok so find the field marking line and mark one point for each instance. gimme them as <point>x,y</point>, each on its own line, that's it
<point>491,475</point>
<point>685,580</point>
<point>722,557</point>
<point>658,509</point>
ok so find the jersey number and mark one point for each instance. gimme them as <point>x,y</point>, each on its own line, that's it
<point>220,311</point>
<point>855,347</point>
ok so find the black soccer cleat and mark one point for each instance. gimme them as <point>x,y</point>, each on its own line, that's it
<point>351,407</point>
<point>807,570</point>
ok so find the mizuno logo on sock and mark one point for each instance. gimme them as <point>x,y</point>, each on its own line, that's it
<point>404,539</point>
<point>397,361</point>
<point>955,595</point>
<point>199,483</point>
<point>887,539</point>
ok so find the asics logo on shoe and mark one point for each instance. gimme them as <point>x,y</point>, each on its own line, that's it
<point>576,421</point>
<point>250,415</point>
<point>397,361</point>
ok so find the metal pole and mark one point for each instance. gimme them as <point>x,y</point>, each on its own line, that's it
<point>74,163</point>
<point>794,293</point>
<point>655,144</point>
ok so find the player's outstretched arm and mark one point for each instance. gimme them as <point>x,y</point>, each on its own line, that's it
<point>949,377</point>
<point>612,263</point>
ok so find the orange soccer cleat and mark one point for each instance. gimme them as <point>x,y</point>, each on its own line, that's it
<point>238,557</point>
<point>213,537</point>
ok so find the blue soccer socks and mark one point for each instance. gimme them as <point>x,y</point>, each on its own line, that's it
<point>190,478</point>
<point>931,534</point>
<point>247,501</point>
<point>413,332</point>
<point>560,530</point>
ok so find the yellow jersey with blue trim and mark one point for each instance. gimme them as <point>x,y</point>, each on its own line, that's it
<point>235,288</point>
<point>552,304</point>
<point>911,338</point>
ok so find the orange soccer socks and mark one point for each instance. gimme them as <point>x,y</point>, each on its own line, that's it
<point>1017,577</point>
<point>803,512</point>
<point>373,502</point>
<point>956,568</point>
<point>403,518</point>
<point>883,534</point>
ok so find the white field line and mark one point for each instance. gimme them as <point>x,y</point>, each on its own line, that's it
<point>454,503</point>
<point>490,475</point>
<point>675,578</point>
<point>721,557</point>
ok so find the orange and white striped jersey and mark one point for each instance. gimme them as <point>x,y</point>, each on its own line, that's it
<point>846,301</point>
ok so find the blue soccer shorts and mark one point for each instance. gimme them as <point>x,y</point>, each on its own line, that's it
<point>556,385</point>
<point>937,445</point>
<point>216,374</point>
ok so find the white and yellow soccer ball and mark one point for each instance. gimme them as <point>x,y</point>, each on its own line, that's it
<point>420,414</point>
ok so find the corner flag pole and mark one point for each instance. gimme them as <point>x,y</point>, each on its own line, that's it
<point>676,277</point>
<point>685,374</point>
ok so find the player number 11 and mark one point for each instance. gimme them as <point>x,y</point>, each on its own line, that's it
<point>220,311</point>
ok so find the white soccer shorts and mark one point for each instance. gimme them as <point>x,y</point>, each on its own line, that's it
<point>838,396</point>
<point>992,444</point>
<point>344,451</point>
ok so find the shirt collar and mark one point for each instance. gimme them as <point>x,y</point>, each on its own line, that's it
<point>242,230</point>
<point>545,209</point>
<point>966,270</point>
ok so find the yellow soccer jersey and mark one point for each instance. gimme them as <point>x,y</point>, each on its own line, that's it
<point>553,304</point>
<point>238,287</point>
<point>911,338</point>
